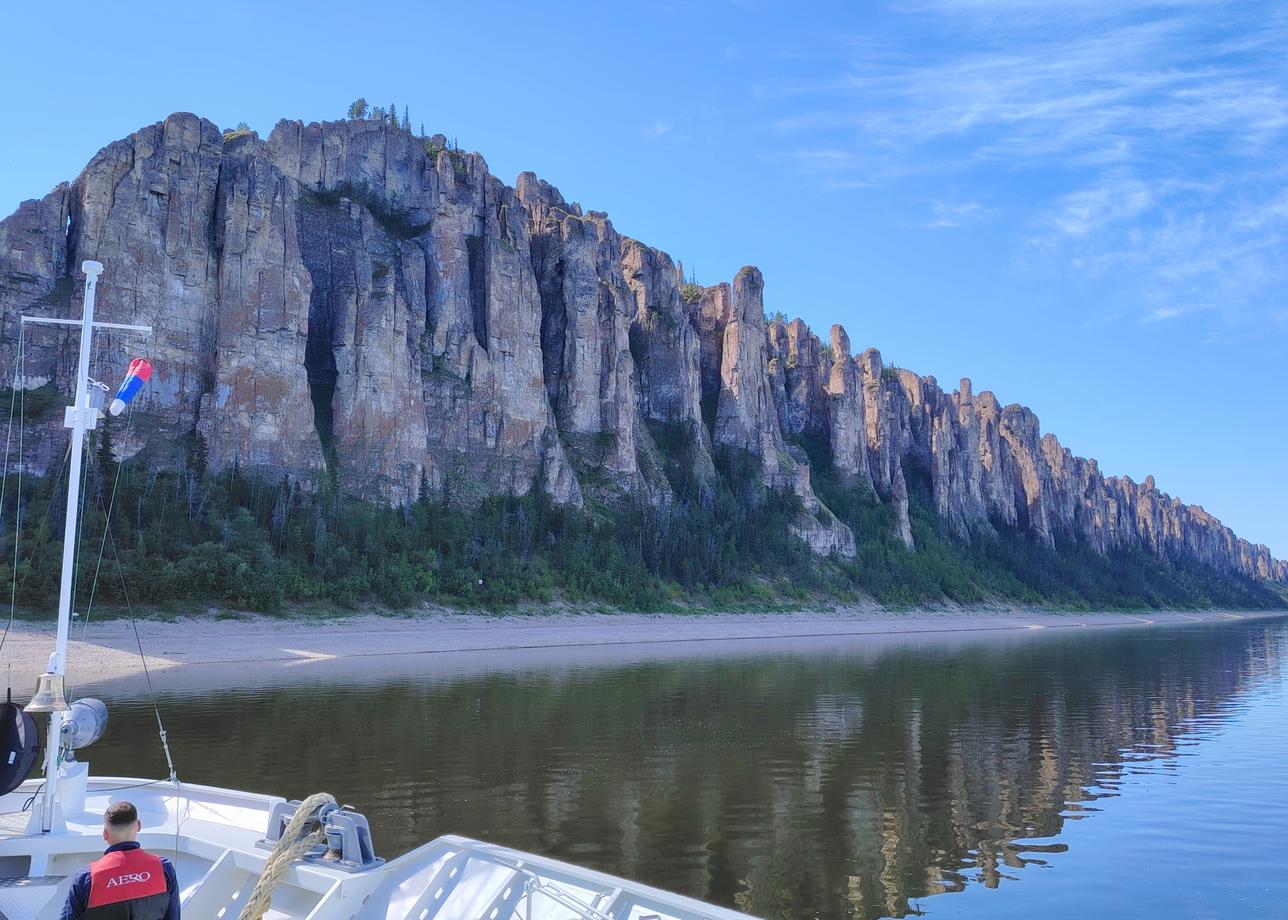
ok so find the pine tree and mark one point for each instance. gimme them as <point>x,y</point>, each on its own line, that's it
<point>422,130</point>
<point>406,122</point>
<point>358,108</point>
<point>106,459</point>
<point>393,114</point>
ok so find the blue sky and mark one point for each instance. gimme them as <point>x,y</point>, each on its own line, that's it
<point>1083,206</point>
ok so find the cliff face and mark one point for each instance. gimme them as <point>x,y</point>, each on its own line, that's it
<point>347,295</point>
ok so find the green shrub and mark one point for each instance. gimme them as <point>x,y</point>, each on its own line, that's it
<point>34,403</point>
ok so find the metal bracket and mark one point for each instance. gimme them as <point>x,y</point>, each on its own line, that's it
<point>88,415</point>
<point>348,836</point>
<point>55,321</point>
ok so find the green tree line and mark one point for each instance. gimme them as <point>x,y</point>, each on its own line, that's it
<point>238,539</point>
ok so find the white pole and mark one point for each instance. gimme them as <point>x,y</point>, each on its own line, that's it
<point>78,419</point>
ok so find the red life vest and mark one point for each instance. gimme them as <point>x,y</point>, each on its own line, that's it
<point>127,883</point>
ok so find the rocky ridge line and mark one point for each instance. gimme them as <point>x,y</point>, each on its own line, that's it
<point>347,294</point>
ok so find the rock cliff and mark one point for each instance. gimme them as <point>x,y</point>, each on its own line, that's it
<point>348,297</point>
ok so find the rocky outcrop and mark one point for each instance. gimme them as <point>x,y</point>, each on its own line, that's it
<point>256,343</point>
<point>426,315</point>
<point>346,296</point>
<point>33,256</point>
<point>805,410</point>
<point>991,466</point>
<point>34,279</point>
<point>846,411</point>
<point>709,314</point>
<point>667,353</point>
<point>586,312</point>
<point>146,207</point>
<point>664,344</point>
<point>746,417</point>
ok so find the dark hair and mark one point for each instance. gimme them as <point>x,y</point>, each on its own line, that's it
<point>120,814</point>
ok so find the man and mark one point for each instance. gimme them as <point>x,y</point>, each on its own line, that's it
<point>127,883</point>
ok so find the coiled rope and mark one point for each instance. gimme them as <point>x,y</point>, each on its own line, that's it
<point>292,845</point>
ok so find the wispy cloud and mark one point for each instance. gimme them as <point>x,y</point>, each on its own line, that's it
<point>1153,135</point>
<point>1182,247</point>
<point>1092,209</point>
<point>948,215</point>
<point>1160,314</point>
<point>1106,97</point>
<point>655,129</point>
<point>991,10</point>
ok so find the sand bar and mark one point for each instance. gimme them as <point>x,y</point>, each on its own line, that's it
<point>206,646</point>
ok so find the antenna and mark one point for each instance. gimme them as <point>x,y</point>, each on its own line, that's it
<point>80,417</point>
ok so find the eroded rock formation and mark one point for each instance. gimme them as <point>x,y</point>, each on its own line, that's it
<point>347,295</point>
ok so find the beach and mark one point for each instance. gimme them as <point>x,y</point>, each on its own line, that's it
<point>193,645</point>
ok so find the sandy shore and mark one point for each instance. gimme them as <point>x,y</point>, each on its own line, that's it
<point>251,645</point>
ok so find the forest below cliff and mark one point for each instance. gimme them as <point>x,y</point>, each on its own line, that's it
<point>236,541</point>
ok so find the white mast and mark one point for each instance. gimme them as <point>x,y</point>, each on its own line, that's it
<point>80,417</point>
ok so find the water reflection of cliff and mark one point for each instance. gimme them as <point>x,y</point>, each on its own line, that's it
<point>834,786</point>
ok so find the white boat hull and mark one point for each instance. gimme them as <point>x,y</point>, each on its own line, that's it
<point>211,835</point>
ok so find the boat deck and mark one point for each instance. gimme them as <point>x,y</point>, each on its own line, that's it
<point>211,835</point>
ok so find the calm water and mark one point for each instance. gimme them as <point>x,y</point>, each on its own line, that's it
<point>1124,772</point>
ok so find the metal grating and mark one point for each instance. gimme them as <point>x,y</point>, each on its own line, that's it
<point>24,897</point>
<point>14,824</point>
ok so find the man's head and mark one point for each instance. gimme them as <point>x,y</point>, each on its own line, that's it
<point>121,822</point>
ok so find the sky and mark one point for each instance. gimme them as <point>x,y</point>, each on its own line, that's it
<point>1082,205</point>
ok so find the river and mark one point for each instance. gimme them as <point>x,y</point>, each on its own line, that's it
<point>1059,773</point>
